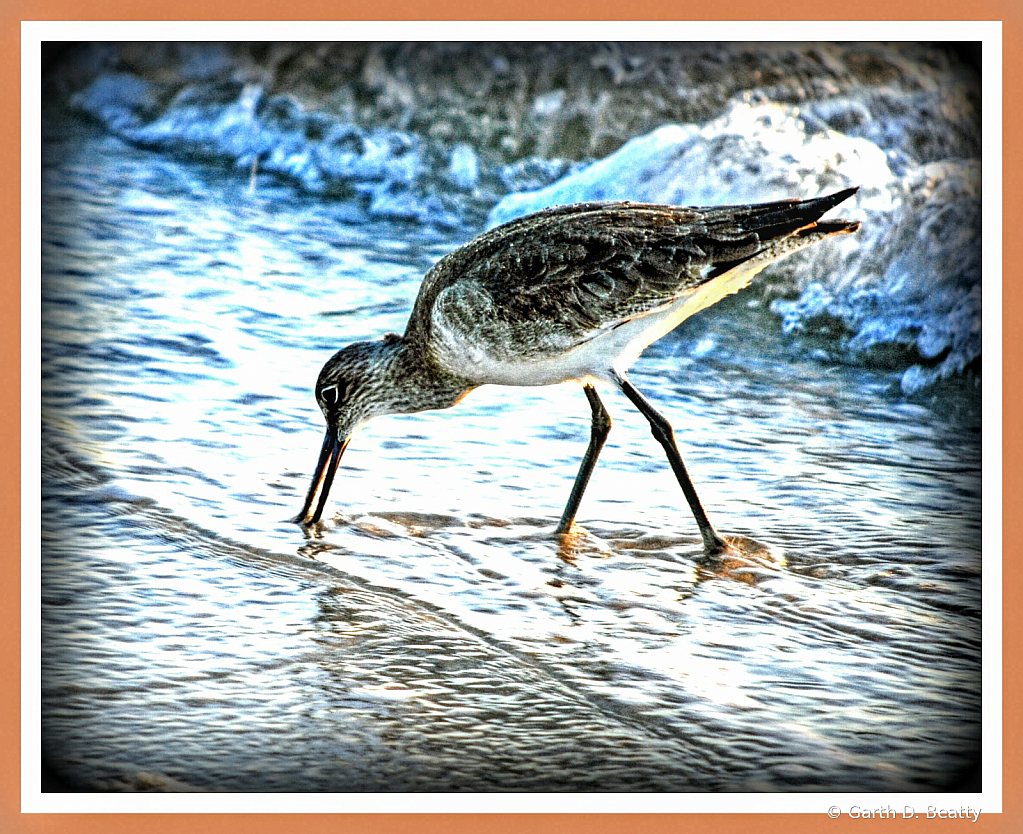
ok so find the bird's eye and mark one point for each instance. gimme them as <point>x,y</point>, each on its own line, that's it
<point>330,394</point>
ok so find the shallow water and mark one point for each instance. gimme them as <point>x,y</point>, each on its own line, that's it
<point>433,634</point>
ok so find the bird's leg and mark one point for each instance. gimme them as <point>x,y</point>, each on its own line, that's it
<point>599,429</point>
<point>662,431</point>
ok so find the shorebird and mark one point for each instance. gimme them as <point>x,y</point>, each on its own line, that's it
<point>573,292</point>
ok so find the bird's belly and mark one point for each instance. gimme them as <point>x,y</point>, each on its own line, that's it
<point>595,355</point>
<point>484,367</point>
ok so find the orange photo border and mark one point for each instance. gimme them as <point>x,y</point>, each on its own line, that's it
<point>1009,12</point>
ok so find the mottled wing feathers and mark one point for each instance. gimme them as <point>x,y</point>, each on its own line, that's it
<point>582,267</point>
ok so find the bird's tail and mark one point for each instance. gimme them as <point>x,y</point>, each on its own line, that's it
<point>768,231</point>
<point>783,217</point>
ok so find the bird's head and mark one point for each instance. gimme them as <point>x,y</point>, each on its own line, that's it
<point>351,389</point>
<point>367,380</point>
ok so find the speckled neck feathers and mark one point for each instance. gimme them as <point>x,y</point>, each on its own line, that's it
<point>369,379</point>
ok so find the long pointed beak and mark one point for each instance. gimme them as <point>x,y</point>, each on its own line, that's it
<point>323,477</point>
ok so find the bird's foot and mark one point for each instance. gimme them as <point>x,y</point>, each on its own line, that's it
<point>742,558</point>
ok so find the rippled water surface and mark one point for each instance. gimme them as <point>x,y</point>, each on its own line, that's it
<point>433,635</point>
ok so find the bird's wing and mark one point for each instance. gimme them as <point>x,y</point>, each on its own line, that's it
<point>584,268</point>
